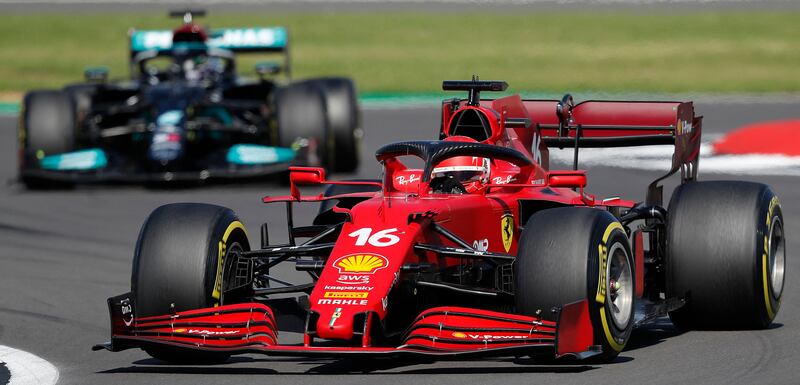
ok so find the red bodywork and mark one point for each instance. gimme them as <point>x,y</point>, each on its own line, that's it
<point>381,246</point>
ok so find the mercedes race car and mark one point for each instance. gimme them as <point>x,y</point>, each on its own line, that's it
<point>185,114</point>
<point>483,251</point>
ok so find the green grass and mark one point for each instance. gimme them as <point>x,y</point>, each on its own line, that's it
<point>716,52</point>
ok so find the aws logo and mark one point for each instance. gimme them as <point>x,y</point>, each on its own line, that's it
<point>361,263</point>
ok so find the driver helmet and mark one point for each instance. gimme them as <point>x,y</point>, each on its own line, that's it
<point>463,169</point>
<point>471,171</point>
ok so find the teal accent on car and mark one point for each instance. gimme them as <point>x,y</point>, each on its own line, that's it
<point>254,154</point>
<point>225,38</point>
<point>170,118</point>
<point>90,159</point>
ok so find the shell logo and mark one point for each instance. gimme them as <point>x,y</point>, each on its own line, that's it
<point>181,330</point>
<point>361,263</point>
<point>459,335</point>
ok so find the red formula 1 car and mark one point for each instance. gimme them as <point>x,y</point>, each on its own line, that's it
<point>483,251</point>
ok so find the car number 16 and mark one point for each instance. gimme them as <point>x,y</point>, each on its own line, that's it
<point>381,238</point>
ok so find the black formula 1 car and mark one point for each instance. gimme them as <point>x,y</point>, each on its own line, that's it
<point>185,114</point>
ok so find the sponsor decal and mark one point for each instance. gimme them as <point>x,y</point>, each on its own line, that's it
<point>491,337</point>
<point>346,294</point>
<point>336,315</point>
<point>349,288</point>
<point>481,244</point>
<point>222,249</point>
<point>126,309</point>
<point>228,38</point>
<point>402,180</point>
<point>616,343</point>
<point>353,279</point>
<point>684,127</point>
<point>385,302</point>
<point>501,180</point>
<point>361,263</point>
<point>356,302</point>
<point>206,332</point>
<point>507,230</point>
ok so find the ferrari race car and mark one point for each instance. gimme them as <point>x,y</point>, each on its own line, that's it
<point>484,251</point>
<point>185,114</point>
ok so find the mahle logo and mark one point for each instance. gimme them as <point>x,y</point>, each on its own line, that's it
<point>361,263</point>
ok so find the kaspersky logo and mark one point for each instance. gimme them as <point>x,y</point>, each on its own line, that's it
<point>360,263</point>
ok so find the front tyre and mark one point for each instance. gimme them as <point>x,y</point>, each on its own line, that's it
<point>47,127</point>
<point>726,255</point>
<point>570,254</point>
<point>182,259</point>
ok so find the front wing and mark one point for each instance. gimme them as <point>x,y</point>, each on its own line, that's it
<point>135,176</point>
<point>443,332</point>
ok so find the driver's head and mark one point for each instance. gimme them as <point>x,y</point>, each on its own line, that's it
<point>464,169</point>
<point>472,172</point>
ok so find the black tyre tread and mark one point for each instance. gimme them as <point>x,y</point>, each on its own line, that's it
<point>172,257</point>
<point>714,244</point>
<point>48,122</point>
<point>557,264</point>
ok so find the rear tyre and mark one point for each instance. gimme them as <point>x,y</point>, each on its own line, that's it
<point>180,263</point>
<point>726,255</point>
<point>571,254</point>
<point>47,127</point>
<point>302,122</point>
<point>342,112</point>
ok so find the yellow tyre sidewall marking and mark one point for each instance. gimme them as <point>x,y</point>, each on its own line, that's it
<point>216,293</point>
<point>765,277</point>
<point>601,283</point>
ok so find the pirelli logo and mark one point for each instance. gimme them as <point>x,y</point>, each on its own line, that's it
<point>346,294</point>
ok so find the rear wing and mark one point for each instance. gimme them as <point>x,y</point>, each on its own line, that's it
<point>621,124</point>
<point>273,39</point>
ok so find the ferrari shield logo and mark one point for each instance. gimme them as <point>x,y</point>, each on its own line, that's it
<point>507,230</point>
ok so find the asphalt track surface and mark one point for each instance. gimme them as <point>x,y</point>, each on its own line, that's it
<point>63,253</point>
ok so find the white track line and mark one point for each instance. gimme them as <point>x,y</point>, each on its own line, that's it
<point>27,368</point>
<point>659,158</point>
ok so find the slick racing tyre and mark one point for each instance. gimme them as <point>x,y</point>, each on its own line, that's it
<point>342,111</point>
<point>182,261</point>
<point>47,126</point>
<point>571,254</point>
<point>726,255</point>
<point>301,117</point>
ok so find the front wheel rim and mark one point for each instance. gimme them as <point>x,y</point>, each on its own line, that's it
<point>619,286</point>
<point>776,257</point>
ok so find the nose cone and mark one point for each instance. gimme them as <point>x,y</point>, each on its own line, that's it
<point>354,284</point>
<point>167,142</point>
<point>165,147</point>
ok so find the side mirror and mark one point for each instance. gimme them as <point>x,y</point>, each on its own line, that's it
<point>96,74</point>
<point>571,179</point>
<point>304,175</point>
<point>268,68</point>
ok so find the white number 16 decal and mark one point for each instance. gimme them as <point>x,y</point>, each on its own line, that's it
<point>381,238</point>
